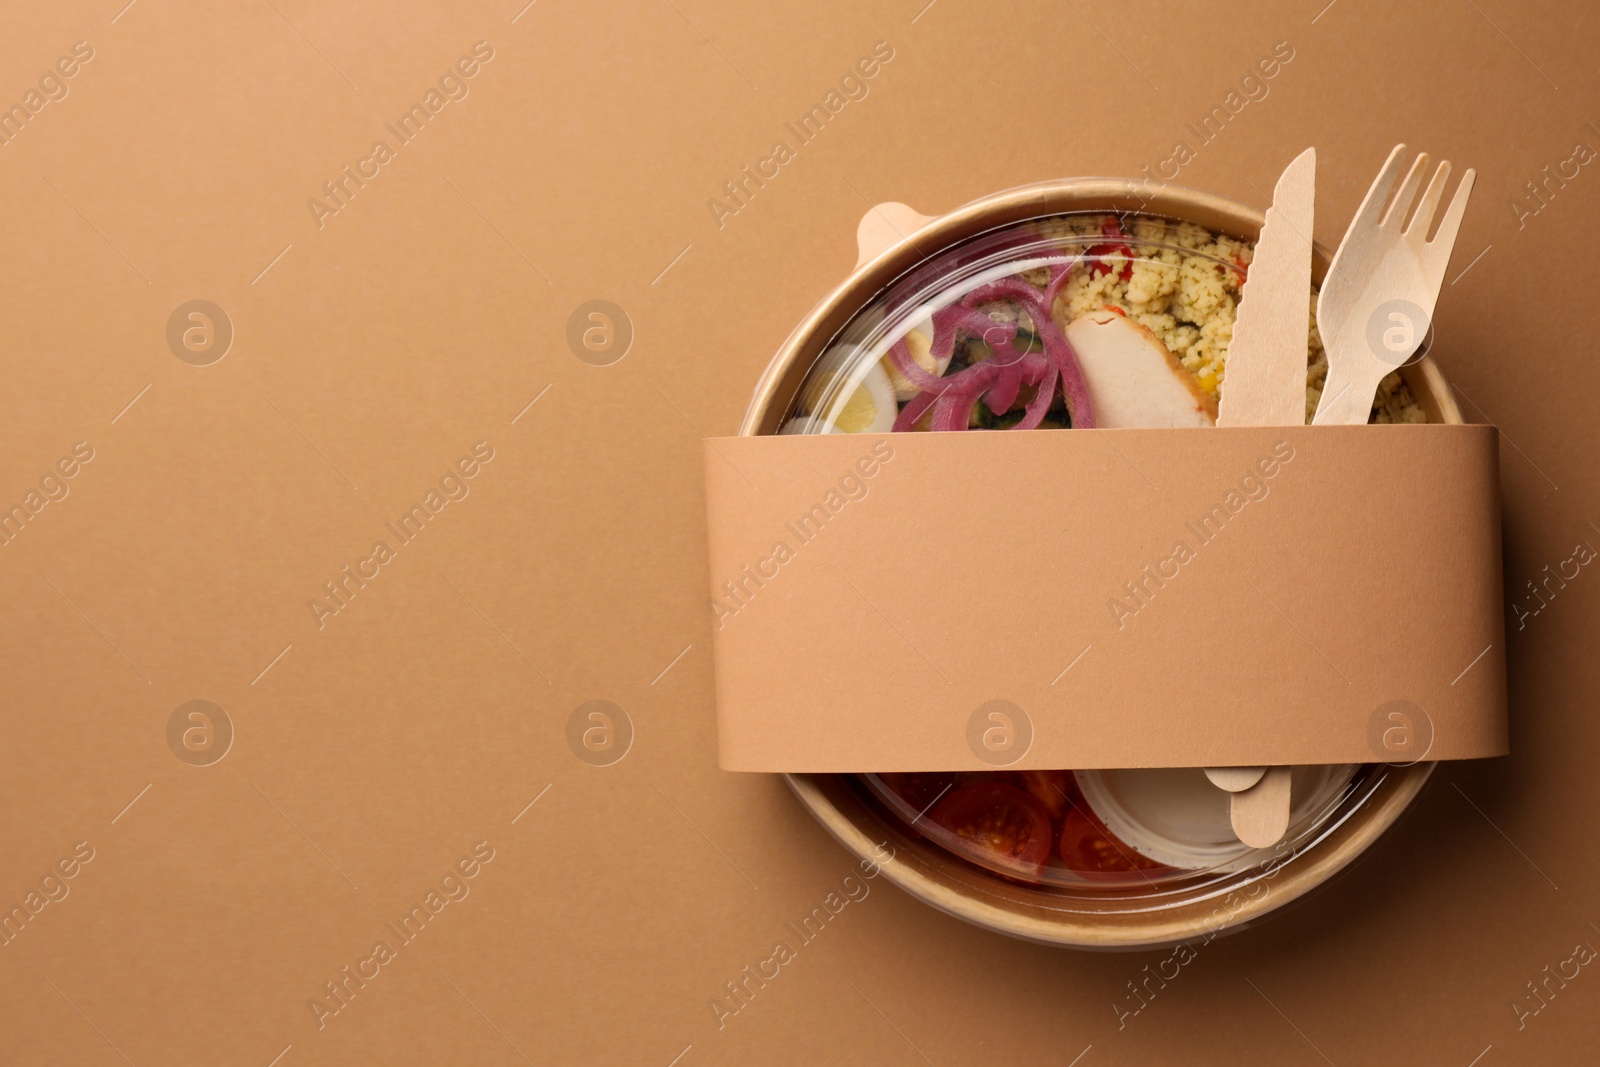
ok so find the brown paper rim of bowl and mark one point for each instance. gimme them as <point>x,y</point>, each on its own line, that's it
<point>1032,914</point>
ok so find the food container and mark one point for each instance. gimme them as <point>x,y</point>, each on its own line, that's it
<point>1142,900</point>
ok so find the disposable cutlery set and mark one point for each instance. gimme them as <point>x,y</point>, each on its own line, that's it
<point>1373,312</point>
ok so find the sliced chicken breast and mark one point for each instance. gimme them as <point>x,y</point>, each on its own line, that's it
<point>1133,380</point>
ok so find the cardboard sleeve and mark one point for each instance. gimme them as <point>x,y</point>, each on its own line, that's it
<point>1107,598</point>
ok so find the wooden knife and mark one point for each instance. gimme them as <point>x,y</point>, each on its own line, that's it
<point>1264,384</point>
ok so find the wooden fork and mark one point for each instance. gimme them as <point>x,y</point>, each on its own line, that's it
<point>1378,297</point>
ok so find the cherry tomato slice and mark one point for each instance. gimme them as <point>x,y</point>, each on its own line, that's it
<point>1054,789</point>
<point>1001,823</point>
<point>918,788</point>
<point>1089,849</point>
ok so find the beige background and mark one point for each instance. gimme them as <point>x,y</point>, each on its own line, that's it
<point>372,353</point>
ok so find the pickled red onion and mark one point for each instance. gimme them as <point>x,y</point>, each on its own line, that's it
<point>997,380</point>
<point>914,409</point>
<point>1034,413</point>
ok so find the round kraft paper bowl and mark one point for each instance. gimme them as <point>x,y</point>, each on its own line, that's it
<point>928,872</point>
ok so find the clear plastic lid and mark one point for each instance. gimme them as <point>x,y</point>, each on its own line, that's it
<point>1072,321</point>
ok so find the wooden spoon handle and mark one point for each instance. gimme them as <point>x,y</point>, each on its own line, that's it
<point>1235,779</point>
<point>1260,814</point>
